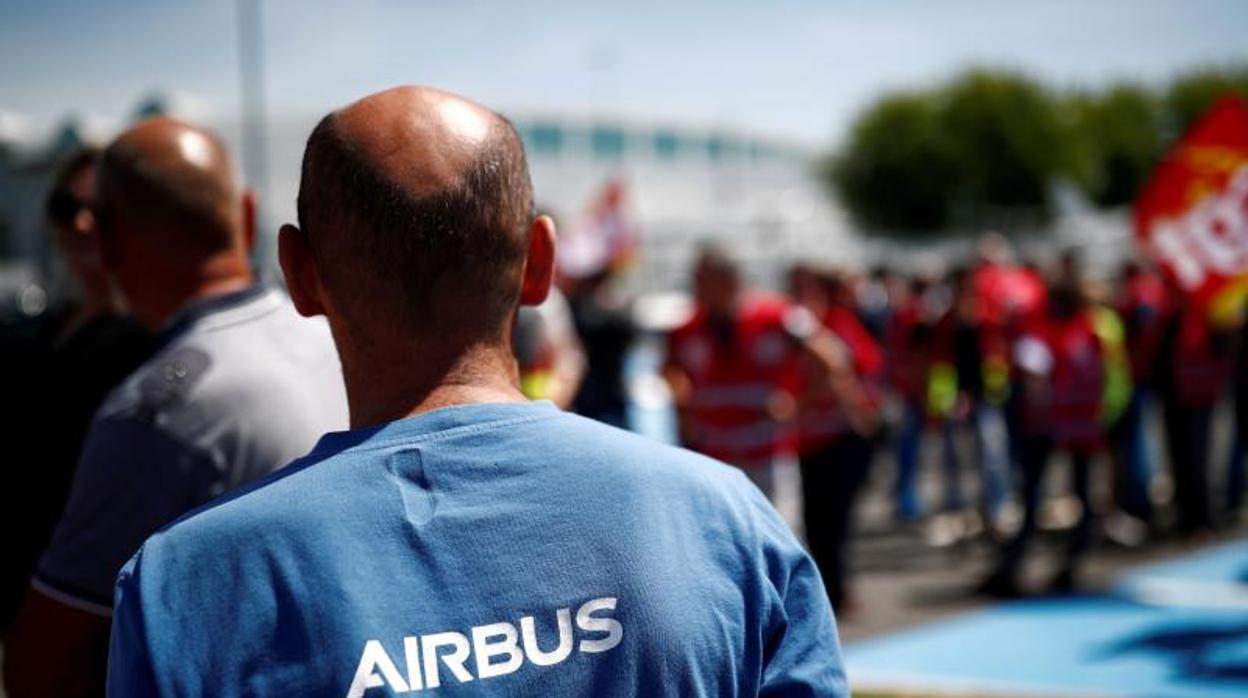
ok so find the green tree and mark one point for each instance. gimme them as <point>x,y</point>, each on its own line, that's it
<point>918,162</point>
<point>1009,139</point>
<point>989,144</point>
<point>897,170</point>
<point>1193,93</point>
<point>1117,140</point>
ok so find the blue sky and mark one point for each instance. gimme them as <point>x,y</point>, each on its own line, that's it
<point>785,68</point>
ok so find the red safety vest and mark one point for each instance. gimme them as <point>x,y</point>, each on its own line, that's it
<point>733,378</point>
<point>907,362</point>
<point>821,419</point>
<point>1065,403</point>
<point>1078,383</point>
<point>1143,306</point>
<point>1201,368</point>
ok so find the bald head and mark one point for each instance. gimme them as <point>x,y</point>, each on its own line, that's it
<point>174,184</point>
<point>416,205</point>
<point>422,139</point>
<point>174,223</point>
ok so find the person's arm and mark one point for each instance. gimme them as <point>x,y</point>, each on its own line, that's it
<point>55,647</point>
<point>133,479</point>
<point>802,652</point>
<point>834,368</point>
<point>130,670</point>
<point>681,388</point>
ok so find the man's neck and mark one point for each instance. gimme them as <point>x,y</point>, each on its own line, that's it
<point>382,389</point>
<point>206,282</point>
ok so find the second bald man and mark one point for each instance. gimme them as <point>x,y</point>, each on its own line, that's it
<point>240,386</point>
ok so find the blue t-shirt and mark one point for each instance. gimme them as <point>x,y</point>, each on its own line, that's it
<point>501,549</point>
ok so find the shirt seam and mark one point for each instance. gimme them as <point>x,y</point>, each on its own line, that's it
<point>79,599</point>
<point>436,437</point>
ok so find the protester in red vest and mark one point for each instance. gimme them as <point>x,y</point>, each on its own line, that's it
<point>1065,361</point>
<point>907,371</point>
<point>835,448</point>
<point>1239,447</point>
<point>968,386</point>
<point>1009,297</point>
<point>733,366</point>
<point>953,380</point>
<point>1141,303</point>
<point>1194,367</point>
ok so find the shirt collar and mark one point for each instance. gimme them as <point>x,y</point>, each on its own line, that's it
<point>438,421</point>
<point>197,310</point>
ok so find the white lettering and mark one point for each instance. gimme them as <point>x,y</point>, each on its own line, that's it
<point>531,649</point>
<point>411,655</point>
<point>585,620</point>
<point>453,660</point>
<point>1207,228</point>
<point>499,649</point>
<point>1169,243</point>
<point>485,650</point>
<point>1211,237</point>
<point>375,658</point>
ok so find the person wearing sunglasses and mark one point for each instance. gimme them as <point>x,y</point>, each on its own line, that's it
<point>57,367</point>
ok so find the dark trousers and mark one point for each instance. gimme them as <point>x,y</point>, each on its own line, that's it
<point>1239,453</point>
<point>1034,455</point>
<point>1134,469</point>
<point>906,489</point>
<point>1187,434</point>
<point>1235,474</point>
<point>831,480</point>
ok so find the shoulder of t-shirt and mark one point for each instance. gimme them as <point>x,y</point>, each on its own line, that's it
<point>627,458</point>
<point>237,513</point>
<point>158,387</point>
<point>624,460</point>
<point>165,381</point>
<point>188,369</point>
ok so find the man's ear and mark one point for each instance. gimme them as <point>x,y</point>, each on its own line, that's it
<point>539,264</point>
<point>302,279</point>
<point>249,219</point>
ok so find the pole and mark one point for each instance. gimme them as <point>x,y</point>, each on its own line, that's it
<point>254,121</point>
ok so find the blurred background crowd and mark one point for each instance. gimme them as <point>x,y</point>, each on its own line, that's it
<point>1007,304</point>
<point>986,373</point>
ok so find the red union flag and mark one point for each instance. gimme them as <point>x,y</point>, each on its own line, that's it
<point>1192,216</point>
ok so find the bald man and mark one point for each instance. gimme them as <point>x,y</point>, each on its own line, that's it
<point>459,537</point>
<point>240,386</point>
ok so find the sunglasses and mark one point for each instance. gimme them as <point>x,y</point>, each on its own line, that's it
<point>64,206</point>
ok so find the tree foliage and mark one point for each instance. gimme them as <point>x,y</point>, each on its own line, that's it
<point>1008,137</point>
<point>898,165</point>
<point>989,142</point>
<point>1117,141</point>
<point>1192,94</point>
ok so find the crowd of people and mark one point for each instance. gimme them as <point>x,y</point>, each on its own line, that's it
<point>1037,367</point>
<point>172,377</point>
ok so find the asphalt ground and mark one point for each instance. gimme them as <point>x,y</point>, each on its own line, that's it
<point>1160,616</point>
